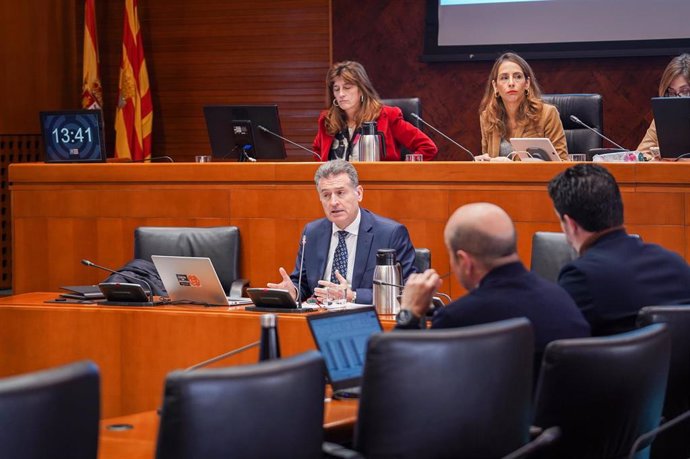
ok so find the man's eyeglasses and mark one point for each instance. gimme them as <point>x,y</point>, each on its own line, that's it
<point>685,92</point>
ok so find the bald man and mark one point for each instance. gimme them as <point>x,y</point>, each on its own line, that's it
<point>481,241</point>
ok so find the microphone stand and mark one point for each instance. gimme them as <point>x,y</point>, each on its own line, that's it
<point>261,128</point>
<point>577,120</point>
<point>417,117</point>
<point>127,276</point>
<point>270,346</point>
<point>223,356</point>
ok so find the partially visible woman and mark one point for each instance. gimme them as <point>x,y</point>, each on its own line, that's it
<point>512,107</point>
<point>675,82</point>
<point>355,101</point>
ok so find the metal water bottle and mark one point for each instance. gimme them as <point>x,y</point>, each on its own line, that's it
<point>371,145</point>
<point>269,347</point>
<point>387,271</point>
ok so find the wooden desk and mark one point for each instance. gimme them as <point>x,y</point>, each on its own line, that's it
<point>62,213</point>
<point>134,348</point>
<point>140,442</point>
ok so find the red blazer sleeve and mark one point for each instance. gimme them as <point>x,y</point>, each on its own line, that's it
<point>399,132</point>
<point>322,141</point>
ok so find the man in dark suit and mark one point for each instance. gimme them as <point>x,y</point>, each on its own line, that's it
<point>481,242</point>
<point>340,250</point>
<point>616,274</point>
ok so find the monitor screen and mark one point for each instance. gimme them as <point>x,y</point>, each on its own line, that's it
<point>672,119</point>
<point>472,30</point>
<point>239,132</point>
<point>73,136</point>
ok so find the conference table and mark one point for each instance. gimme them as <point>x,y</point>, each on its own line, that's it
<point>134,347</point>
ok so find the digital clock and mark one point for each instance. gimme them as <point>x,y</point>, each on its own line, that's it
<point>73,136</point>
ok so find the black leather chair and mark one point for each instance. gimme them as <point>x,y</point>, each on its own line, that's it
<point>589,109</point>
<point>675,443</point>
<point>221,244</point>
<point>270,410</point>
<point>407,106</point>
<point>51,414</point>
<point>461,393</point>
<point>603,392</point>
<point>550,252</point>
<point>422,259</point>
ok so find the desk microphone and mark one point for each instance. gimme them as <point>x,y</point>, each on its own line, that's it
<point>261,128</point>
<point>301,267</point>
<point>269,347</point>
<point>577,120</point>
<point>415,116</point>
<point>126,276</point>
<point>152,159</point>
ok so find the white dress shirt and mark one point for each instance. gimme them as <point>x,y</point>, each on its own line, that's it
<point>350,242</point>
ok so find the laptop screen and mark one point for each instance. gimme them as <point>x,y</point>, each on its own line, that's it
<point>342,338</point>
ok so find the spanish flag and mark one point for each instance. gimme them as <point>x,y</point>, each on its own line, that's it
<point>91,93</point>
<point>134,115</point>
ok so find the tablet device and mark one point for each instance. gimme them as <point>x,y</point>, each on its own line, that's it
<point>538,147</point>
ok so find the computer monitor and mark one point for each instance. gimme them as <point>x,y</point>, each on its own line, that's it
<point>672,119</point>
<point>235,131</point>
<point>73,136</point>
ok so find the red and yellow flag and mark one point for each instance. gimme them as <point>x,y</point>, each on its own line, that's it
<point>134,115</point>
<point>91,91</point>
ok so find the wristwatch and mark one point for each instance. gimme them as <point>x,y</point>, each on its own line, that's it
<point>405,318</point>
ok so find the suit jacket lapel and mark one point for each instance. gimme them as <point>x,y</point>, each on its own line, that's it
<point>320,256</point>
<point>364,240</point>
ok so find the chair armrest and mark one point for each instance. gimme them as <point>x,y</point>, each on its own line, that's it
<point>646,439</point>
<point>238,288</point>
<point>334,450</point>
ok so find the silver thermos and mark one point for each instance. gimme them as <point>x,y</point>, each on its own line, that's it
<point>371,145</point>
<point>387,271</point>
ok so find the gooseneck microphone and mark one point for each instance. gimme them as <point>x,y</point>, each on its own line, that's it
<point>269,346</point>
<point>577,120</point>
<point>152,159</point>
<point>547,437</point>
<point>261,128</point>
<point>301,267</point>
<point>127,276</point>
<point>417,117</point>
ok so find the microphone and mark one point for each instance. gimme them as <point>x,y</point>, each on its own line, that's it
<point>301,267</point>
<point>261,128</point>
<point>417,117</point>
<point>577,120</point>
<point>152,159</point>
<point>269,347</point>
<point>546,438</point>
<point>127,276</point>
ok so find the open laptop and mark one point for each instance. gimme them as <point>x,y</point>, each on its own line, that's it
<point>538,147</point>
<point>193,280</point>
<point>672,119</point>
<point>342,338</point>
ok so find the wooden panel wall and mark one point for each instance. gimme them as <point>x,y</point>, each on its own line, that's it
<point>38,52</point>
<point>387,37</point>
<point>222,52</point>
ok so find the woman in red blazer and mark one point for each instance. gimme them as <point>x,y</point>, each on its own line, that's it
<point>354,101</point>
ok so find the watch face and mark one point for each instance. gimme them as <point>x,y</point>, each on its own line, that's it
<point>404,317</point>
<point>73,136</point>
